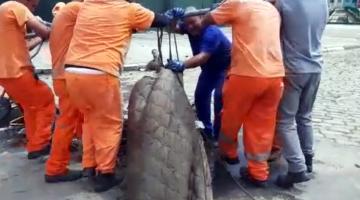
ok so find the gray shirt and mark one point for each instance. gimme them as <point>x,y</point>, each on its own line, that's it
<point>303,24</point>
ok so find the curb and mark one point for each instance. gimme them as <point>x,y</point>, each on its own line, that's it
<point>126,68</point>
<point>340,48</point>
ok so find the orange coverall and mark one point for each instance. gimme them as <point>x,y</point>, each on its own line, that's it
<point>101,37</point>
<point>16,76</point>
<point>69,122</point>
<point>254,86</point>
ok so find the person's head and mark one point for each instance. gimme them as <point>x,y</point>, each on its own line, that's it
<point>193,24</point>
<point>30,4</point>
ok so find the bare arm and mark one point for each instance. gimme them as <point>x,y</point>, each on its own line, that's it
<point>32,43</point>
<point>197,60</point>
<point>39,28</point>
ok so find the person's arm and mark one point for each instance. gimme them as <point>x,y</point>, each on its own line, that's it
<point>197,60</point>
<point>160,20</point>
<point>222,15</point>
<point>33,42</point>
<point>24,17</point>
<point>143,18</point>
<point>39,28</point>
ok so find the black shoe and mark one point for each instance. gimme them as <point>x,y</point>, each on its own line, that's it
<point>274,156</point>
<point>36,154</point>
<point>309,163</point>
<point>288,180</point>
<point>67,177</point>
<point>104,182</point>
<point>249,179</point>
<point>89,172</point>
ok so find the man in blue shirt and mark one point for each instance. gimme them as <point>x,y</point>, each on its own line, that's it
<point>212,51</point>
<point>303,24</point>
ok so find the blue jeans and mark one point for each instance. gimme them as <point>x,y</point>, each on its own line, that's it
<point>207,83</point>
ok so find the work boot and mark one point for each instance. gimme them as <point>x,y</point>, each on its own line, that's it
<point>232,165</point>
<point>36,154</point>
<point>89,172</point>
<point>245,176</point>
<point>288,180</point>
<point>104,182</point>
<point>274,156</point>
<point>70,175</point>
<point>309,162</point>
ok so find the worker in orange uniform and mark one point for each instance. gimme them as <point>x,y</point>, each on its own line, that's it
<point>17,73</point>
<point>96,54</point>
<point>254,85</point>
<point>69,117</point>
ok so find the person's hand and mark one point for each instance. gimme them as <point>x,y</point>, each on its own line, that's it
<point>48,24</point>
<point>175,13</point>
<point>175,65</point>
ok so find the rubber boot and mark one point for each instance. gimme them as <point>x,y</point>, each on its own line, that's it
<point>245,175</point>
<point>36,154</point>
<point>89,172</point>
<point>70,175</point>
<point>288,180</point>
<point>309,163</point>
<point>104,182</point>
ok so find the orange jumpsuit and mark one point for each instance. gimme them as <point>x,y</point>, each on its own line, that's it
<point>16,76</point>
<point>254,86</point>
<point>70,118</point>
<point>101,36</point>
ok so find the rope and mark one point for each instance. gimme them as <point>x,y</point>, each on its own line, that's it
<point>160,33</point>
<point>37,50</point>
<point>176,47</point>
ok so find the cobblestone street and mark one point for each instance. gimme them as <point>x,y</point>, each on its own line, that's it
<point>337,109</point>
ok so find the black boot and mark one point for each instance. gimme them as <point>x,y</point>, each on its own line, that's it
<point>249,179</point>
<point>89,172</point>
<point>36,154</point>
<point>66,177</point>
<point>104,182</point>
<point>288,180</point>
<point>309,163</point>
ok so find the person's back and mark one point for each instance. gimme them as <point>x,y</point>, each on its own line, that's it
<point>14,52</point>
<point>103,31</point>
<point>60,37</point>
<point>256,48</point>
<point>100,40</point>
<point>303,24</point>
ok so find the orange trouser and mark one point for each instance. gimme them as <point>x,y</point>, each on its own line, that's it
<point>37,101</point>
<point>251,102</point>
<point>67,127</point>
<point>98,99</point>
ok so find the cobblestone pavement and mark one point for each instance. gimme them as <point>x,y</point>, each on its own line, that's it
<point>337,108</point>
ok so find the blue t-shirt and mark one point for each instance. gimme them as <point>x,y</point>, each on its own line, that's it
<point>213,41</point>
<point>303,24</point>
